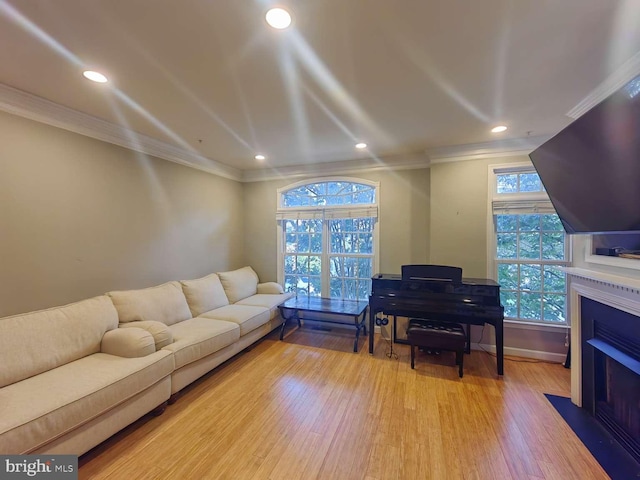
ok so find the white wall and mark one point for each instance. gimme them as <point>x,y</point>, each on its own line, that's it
<point>80,217</point>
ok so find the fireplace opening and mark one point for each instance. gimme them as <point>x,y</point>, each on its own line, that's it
<point>611,371</point>
<point>617,401</point>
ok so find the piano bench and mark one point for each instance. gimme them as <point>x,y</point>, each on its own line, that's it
<point>432,334</point>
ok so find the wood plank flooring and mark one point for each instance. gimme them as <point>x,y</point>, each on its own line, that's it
<point>309,408</point>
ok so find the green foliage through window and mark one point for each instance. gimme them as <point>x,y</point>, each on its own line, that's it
<point>344,245</point>
<point>529,249</point>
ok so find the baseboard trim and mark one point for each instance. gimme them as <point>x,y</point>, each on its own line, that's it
<point>516,352</point>
<point>523,352</point>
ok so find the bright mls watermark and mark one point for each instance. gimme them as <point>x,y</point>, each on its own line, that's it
<point>51,467</point>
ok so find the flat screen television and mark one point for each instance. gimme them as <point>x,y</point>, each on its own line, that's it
<point>591,169</point>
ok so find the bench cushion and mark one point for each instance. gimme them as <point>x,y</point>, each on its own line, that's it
<point>434,334</point>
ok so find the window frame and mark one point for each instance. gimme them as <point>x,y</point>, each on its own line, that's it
<point>335,212</point>
<point>515,199</point>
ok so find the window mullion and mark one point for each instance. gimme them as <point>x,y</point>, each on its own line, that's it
<point>324,260</point>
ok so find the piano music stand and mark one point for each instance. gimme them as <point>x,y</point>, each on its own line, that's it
<point>442,273</point>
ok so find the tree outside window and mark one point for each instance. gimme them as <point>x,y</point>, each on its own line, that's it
<point>328,230</point>
<point>530,245</point>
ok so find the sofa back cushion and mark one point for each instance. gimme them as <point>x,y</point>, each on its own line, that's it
<point>204,294</point>
<point>35,342</point>
<point>239,284</point>
<point>164,303</point>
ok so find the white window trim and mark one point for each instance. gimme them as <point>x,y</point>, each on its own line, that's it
<point>281,211</point>
<point>493,172</point>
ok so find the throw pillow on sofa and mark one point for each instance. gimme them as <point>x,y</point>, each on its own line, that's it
<point>239,284</point>
<point>164,303</point>
<point>204,294</point>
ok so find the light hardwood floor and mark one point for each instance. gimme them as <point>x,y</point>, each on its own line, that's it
<point>310,408</point>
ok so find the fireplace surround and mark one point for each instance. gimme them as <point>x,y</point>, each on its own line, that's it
<point>611,371</point>
<point>605,352</point>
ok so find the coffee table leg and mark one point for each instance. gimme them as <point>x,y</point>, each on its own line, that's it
<point>286,319</point>
<point>361,323</point>
<point>282,328</point>
<point>364,322</point>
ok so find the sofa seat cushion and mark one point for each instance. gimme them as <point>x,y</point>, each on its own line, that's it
<point>163,303</point>
<point>204,294</point>
<point>41,408</point>
<point>196,338</point>
<point>269,301</point>
<point>248,317</point>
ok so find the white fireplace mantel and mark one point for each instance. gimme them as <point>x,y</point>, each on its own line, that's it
<point>616,291</point>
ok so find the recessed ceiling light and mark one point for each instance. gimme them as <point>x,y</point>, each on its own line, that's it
<point>498,129</point>
<point>361,145</point>
<point>278,18</point>
<point>260,157</point>
<point>95,76</point>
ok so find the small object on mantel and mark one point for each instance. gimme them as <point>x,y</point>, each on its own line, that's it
<point>629,255</point>
<point>608,251</point>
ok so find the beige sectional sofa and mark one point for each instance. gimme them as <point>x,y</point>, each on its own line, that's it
<point>72,376</point>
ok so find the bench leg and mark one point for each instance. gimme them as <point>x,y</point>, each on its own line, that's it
<point>459,361</point>
<point>413,356</point>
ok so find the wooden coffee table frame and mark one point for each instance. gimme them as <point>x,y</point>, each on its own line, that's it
<point>354,309</point>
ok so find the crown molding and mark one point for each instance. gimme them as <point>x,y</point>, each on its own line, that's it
<point>629,70</point>
<point>455,153</point>
<point>36,108</point>
<point>479,151</point>
<point>370,164</point>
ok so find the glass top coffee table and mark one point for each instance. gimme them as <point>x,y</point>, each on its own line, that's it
<point>336,309</point>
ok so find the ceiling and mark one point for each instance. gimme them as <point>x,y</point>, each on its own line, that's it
<point>408,77</point>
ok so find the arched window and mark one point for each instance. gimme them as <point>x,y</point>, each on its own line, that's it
<point>327,237</point>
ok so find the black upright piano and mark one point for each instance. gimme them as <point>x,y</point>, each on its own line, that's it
<point>428,291</point>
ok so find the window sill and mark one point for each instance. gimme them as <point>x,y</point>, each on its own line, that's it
<point>540,327</point>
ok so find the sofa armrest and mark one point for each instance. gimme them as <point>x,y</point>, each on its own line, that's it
<point>271,288</point>
<point>128,342</point>
<point>161,334</point>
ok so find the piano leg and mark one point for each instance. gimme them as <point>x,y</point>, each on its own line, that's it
<point>500,347</point>
<point>371,329</point>
<point>468,349</point>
